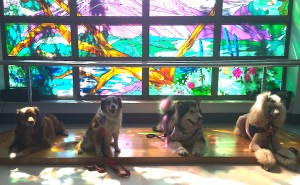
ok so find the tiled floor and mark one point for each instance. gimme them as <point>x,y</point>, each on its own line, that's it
<point>149,174</point>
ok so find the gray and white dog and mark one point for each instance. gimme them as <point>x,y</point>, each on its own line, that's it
<point>104,127</point>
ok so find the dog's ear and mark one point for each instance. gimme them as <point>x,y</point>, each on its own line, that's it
<point>180,106</point>
<point>103,102</point>
<point>18,114</point>
<point>198,102</point>
<point>37,111</point>
<point>119,100</point>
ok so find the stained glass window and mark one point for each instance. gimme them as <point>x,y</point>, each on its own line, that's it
<point>181,41</point>
<point>110,81</point>
<point>45,40</point>
<point>50,80</point>
<point>253,40</point>
<point>36,8</point>
<point>109,41</point>
<point>180,81</point>
<point>126,31</point>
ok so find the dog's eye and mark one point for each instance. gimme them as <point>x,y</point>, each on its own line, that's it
<point>192,112</point>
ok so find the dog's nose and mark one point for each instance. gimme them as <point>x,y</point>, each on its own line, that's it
<point>200,118</point>
<point>30,120</point>
<point>275,113</point>
<point>113,107</point>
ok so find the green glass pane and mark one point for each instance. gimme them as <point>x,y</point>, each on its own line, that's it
<point>255,7</point>
<point>240,80</point>
<point>181,41</point>
<point>50,80</point>
<point>110,81</point>
<point>110,41</point>
<point>46,40</point>
<point>17,76</point>
<point>180,81</point>
<point>274,78</point>
<point>253,40</point>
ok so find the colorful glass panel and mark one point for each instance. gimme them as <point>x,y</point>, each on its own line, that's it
<point>253,40</point>
<point>255,7</point>
<point>180,81</point>
<point>182,7</point>
<point>248,80</point>
<point>274,78</point>
<point>240,80</point>
<point>50,80</point>
<point>110,41</point>
<point>181,41</point>
<point>36,8</point>
<point>110,81</point>
<point>46,40</point>
<point>109,7</point>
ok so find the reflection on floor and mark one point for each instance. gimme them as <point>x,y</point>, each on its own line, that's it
<point>150,174</point>
<point>175,173</point>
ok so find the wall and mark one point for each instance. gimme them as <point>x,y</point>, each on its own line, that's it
<point>1,67</point>
<point>293,76</point>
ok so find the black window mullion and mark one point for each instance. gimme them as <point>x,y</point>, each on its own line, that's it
<point>74,42</point>
<point>145,44</point>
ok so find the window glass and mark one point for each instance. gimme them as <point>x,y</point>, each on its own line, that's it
<point>253,40</point>
<point>110,81</point>
<point>181,41</point>
<point>36,8</point>
<point>180,81</point>
<point>248,80</point>
<point>45,40</point>
<point>50,80</point>
<point>109,41</point>
<point>182,7</point>
<point>109,7</point>
<point>255,7</point>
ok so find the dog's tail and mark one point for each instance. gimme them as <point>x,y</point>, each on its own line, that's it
<point>166,105</point>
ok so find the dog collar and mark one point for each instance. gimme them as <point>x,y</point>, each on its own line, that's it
<point>178,135</point>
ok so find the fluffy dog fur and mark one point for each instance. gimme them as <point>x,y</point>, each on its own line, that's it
<point>34,132</point>
<point>104,127</point>
<point>181,124</point>
<point>261,125</point>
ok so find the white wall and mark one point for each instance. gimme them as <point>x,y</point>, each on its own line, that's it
<point>293,76</point>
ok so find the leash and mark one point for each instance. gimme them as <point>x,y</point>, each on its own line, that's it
<point>155,136</point>
<point>273,130</point>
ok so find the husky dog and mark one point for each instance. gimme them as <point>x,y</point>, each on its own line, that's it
<point>104,127</point>
<point>34,131</point>
<point>261,125</point>
<point>181,124</point>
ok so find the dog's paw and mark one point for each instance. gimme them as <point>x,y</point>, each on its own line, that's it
<point>12,155</point>
<point>265,158</point>
<point>287,158</point>
<point>15,155</point>
<point>197,152</point>
<point>80,151</point>
<point>118,150</point>
<point>182,152</point>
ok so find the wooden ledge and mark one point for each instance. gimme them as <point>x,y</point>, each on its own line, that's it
<point>222,148</point>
